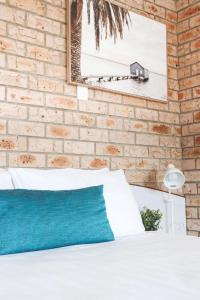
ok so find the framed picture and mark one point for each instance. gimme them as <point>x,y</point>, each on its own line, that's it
<point>113,48</point>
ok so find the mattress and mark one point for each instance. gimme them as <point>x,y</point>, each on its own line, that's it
<point>142,267</point>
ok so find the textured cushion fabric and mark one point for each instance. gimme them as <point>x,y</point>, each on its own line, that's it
<point>54,179</point>
<point>5,180</point>
<point>37,220</point>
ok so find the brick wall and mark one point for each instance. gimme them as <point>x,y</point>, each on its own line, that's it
<point>188,29</point>
<point>43,125</point>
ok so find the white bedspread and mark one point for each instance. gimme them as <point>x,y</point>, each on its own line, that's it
<point>144,267</point>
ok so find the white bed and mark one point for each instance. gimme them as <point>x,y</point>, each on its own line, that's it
<point>141,267</point>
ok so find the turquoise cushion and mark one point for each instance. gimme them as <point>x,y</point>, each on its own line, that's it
<point>38,220</point>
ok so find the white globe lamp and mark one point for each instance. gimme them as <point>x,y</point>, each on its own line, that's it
<point>174,179</point>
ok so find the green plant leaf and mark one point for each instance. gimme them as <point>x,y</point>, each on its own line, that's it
<point>151,218</point>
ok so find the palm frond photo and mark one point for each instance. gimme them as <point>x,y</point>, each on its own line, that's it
<point>116,49</point>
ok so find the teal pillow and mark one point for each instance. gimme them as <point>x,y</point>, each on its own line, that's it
<point>37,220</point>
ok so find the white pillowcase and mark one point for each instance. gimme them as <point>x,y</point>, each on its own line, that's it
<point>122,210</point>
<point>54,179</point>
<point>5,181</point>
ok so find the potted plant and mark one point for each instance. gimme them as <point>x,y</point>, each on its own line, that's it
<point>151,219</point>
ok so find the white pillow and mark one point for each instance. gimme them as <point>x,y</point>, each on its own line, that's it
<point>54,179</point>
<point>122,210</point>
<point>5,181</point>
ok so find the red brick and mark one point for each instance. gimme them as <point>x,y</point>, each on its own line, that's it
<point>122,163</point>
<point>109,122</point>
<point>31,160</point>
<point>191,152</point>
<point>61,131</point>
<point>171,50</point>
<point>191,212</point>
<point>196,69</point>
<point>197,140</point>
<point>82,119</point>
<point>154,9</point>
<point>195,45</point>
<point>94,162</point>
<point>189,82</point>
<point>133,125</point>
<point>171,16</point>
<point>195,21</point>
<point>191,129</point>
<point>62,161</point>
<point>184,49</point>
<point>59,101</point>
<point>187,141</point>
<point>189,35</point>
<point>180,4</point>
<point>109,149</point>
<point>184,72</point>
<point>77,147</point>
<point>186,118</point>
<point>185,95</point>
<point>172,38</point>
<point>188,164</point>
<point>171,27</point>
<point>196,92</point>
<point>197,116</point>
<point>189,11</point>
<point>170,4</point>
<point>183,26</point>
<point>189,59</point>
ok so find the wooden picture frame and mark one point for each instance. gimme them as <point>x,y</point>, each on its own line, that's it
<point>110,89</point>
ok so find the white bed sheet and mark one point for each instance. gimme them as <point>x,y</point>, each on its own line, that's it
<point>144,267</point>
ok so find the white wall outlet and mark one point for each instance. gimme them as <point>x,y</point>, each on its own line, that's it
<point>82,93</point>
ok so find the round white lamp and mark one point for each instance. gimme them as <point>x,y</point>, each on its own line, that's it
<point>174,179</point>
